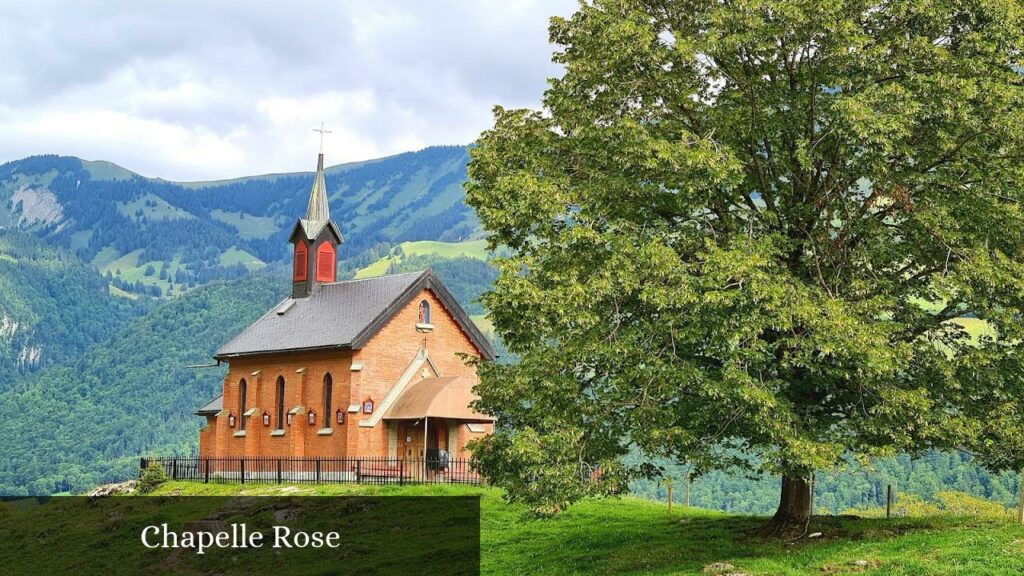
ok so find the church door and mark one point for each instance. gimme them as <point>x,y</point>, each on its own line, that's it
<point>414,442</point>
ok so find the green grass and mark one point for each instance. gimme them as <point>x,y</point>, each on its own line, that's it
<point>153,207</point>
<point>234,255</point>
<point>632,536</point>
<point>127,267</point>
<point>80,239</point>
<point>115,291</point>
<point>485,325</point>
<point>469,249</point>
<point>248,226</point>
<point>103,170</point>
<point>975,327</point>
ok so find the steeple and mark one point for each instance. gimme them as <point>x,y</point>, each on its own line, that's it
<point>315,239</point>
<point>318,210</point>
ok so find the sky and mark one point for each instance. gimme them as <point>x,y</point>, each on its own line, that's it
<point>198,90</point>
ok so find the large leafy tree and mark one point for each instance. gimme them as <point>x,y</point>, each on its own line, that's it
<point>758,227</point>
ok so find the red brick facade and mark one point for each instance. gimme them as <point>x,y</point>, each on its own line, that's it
<point>369,373</point>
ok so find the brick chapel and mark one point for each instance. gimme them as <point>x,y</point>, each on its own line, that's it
<point>360,368</point>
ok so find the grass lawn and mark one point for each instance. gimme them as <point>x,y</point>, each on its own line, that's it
<point>631,536</point>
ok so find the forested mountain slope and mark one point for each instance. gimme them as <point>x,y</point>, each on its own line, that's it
<point>86,421</point>
<point>52,307</point>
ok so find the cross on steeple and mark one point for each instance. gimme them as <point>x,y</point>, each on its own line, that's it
<point>322,132</point>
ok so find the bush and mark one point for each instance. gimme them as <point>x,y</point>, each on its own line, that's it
<point>151,477</point>
<point>947,503</point>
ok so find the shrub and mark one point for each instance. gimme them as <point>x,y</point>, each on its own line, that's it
<point>151,477</point>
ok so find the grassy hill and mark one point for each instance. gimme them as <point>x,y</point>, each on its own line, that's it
<point>631,536</point>
<point>469,249</point>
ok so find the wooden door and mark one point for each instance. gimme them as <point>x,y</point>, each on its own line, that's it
<point>414,442</point>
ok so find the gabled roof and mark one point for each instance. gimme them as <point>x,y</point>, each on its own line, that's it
<point>312,229</point>
<point>212,408</point>
<point>344,315</point>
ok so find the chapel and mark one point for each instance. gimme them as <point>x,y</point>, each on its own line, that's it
<point>371,368</point>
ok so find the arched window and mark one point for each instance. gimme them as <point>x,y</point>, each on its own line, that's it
<point>328,386</point>
<point>280,402</point>
<point>242,389</point>
<point>299,273</point>
<point>424,312</point>
<point>325,264</point>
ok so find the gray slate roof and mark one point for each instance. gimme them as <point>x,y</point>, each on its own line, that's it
<point>344,315</point>
<point>213,408</point>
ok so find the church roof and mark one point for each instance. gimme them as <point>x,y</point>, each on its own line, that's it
<point>318,210</point>
<point>212,408</point>
<point>344,315</point>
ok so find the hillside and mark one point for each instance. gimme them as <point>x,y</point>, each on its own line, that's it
<point>87,420</point>
<point>158,237</point>
<point>631,536</point>
<point>37,326</point>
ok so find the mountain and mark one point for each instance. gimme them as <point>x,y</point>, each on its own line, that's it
<point>52,307</point>
<point>155,237</point>
<point>87,420</point>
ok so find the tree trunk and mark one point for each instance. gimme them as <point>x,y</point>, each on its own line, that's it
<point>794,514</point>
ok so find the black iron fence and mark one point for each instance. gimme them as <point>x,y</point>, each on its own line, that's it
<point>259,470</point>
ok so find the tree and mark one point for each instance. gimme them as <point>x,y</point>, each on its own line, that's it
<point>757,227</point>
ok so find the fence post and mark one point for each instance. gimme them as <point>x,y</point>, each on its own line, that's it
<point>317,469</point>
<point>206,474</point>
<point>358,471</point>
<point>1020,507</point>
<point>686,500</point>
<point>278,470</point>
<point>142,463</point>
<point>888,500</point>
<point>241,468</point>
<point>401,472</point>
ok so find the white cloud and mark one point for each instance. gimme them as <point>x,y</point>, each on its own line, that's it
<point>193,90</point>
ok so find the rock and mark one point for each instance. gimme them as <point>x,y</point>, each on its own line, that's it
<point>112,489</point>
<point>718,568</point>
<point>860,563</point>
<point>814,535</point>
<point>287,515</point>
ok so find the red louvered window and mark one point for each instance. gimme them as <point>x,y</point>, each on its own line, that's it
<point>325,263</point>
<point>300,263</point>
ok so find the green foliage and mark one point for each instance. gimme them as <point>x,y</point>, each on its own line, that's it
<point>851,486</point>
<point>151,477</point>
<point>52,307</point>
<point>945,503</point>
<point>723,224</point>
<point>86,421</point>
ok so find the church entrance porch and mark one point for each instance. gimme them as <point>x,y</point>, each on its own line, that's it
<point>426,441</point>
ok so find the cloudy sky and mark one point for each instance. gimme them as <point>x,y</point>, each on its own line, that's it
<point>195,90</point>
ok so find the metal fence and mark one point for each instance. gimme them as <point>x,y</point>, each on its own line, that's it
<point>257,470</point>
